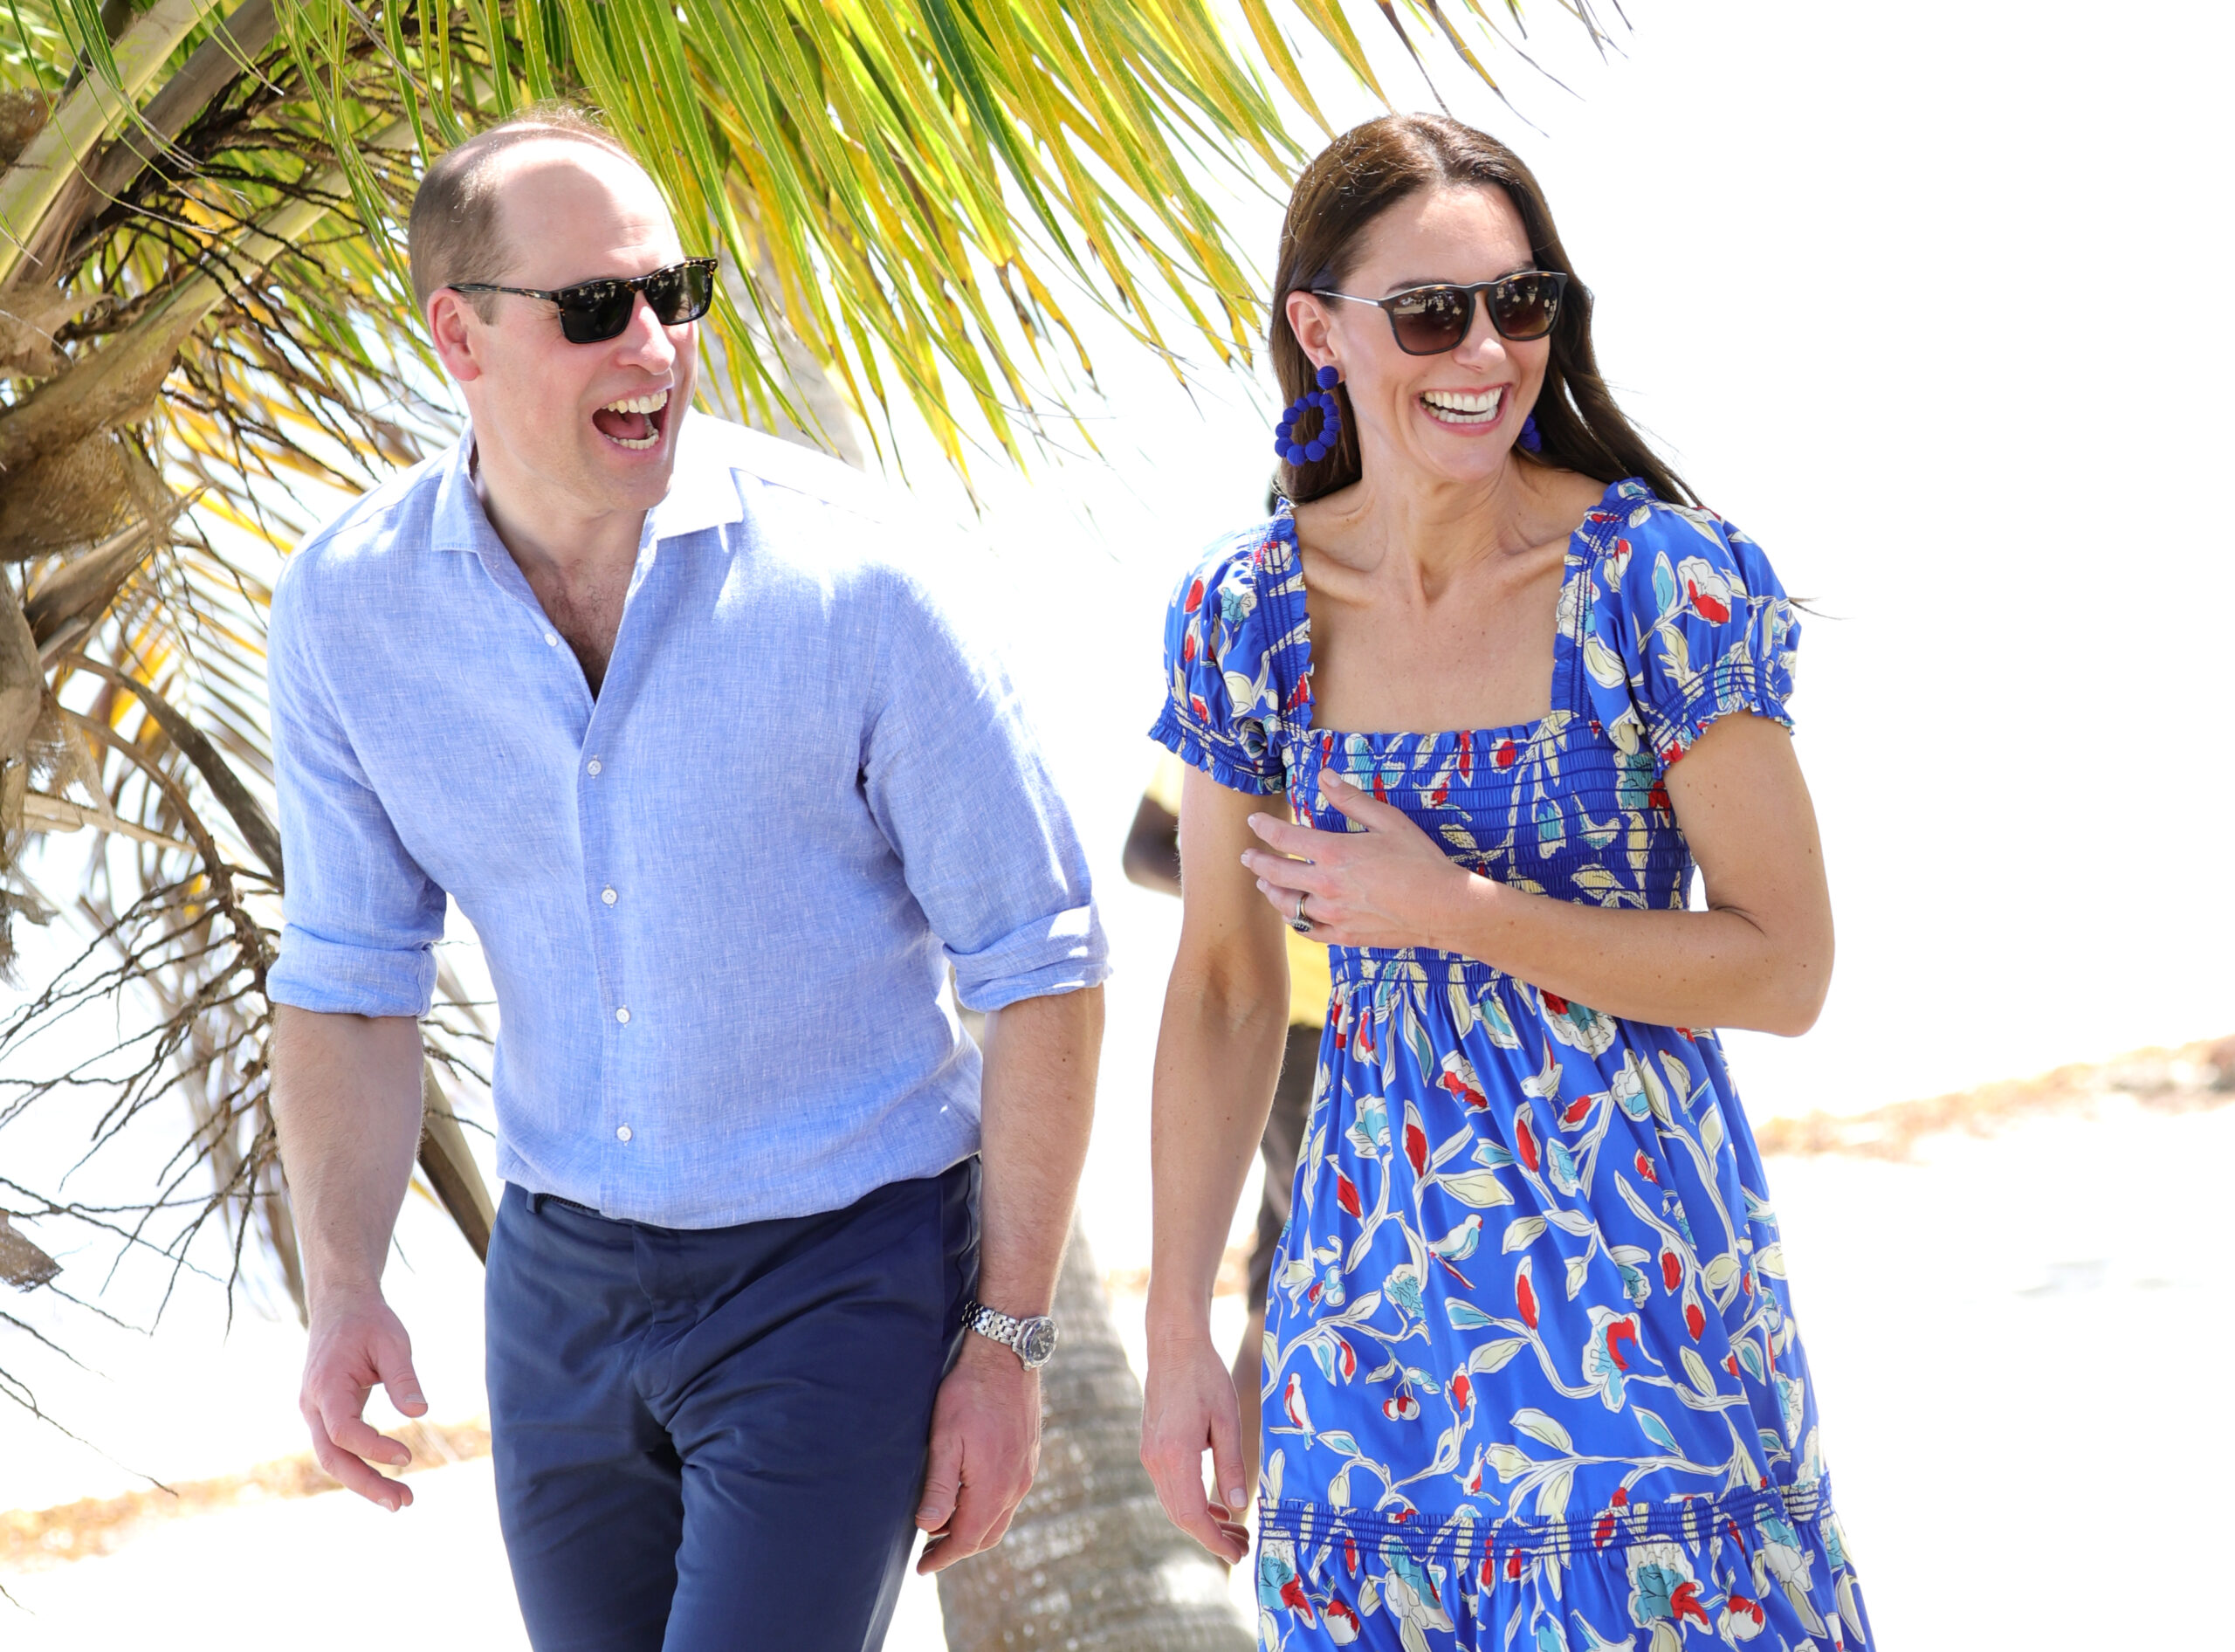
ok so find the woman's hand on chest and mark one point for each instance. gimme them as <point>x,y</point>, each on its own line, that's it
<point>1388,884</point>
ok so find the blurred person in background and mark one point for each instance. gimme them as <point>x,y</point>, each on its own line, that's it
<point>724,795</point>
<point>1153,860</point>
<point>1531,1374</point>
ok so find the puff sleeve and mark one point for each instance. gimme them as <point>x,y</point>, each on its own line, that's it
<point>1219,672</point>
<point>1687,624</point>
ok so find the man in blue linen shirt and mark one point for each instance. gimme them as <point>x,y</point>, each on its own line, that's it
<point>656,702</point>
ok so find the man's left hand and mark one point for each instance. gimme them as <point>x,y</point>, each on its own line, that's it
<point>985,1450</point>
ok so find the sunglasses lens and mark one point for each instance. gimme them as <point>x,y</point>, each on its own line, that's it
<point>682,292</point>
<point>595,312</point>
<point>1431,320</point>
<point>1525,307</point>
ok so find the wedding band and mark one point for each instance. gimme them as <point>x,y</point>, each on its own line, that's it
<point>1300,923</point>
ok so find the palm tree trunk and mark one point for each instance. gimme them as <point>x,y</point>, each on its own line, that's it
<point>1090,1564</point>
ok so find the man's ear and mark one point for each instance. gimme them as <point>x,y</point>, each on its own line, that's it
<point>454,327</point>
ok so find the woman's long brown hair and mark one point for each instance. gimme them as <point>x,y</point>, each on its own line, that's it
<point>1353,181</point>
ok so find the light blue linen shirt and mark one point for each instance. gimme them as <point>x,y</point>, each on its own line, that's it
<point>719,900</point>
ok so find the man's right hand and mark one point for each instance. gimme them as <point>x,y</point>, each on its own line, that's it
<point>358,1344</point>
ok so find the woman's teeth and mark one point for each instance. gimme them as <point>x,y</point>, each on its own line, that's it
<point>1455,407</point>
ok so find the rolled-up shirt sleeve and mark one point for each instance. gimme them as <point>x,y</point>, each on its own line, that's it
<point>956,781</point>
<point>362,918</point>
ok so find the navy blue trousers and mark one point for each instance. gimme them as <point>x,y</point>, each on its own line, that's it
<point>714,1438</point>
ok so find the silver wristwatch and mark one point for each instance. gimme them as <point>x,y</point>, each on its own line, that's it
<point>1033,1340</point>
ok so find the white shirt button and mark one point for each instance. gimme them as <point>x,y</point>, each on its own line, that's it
<point>621,1015</point>
<point>597,767</point>
<point>609,898</point>
<point>551,639</point>
<point>624,1132</point>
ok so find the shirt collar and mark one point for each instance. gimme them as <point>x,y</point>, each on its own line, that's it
<point>704,492</point>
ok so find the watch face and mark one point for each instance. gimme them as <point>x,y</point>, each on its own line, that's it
<point>1039,1341</point>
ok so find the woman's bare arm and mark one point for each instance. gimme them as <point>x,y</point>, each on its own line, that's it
<point>1759,957</point>
<point>1218,1057</point>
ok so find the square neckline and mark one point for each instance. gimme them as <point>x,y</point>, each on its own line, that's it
<point>1576,561</point>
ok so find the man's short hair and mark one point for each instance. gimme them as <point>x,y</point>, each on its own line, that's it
<point>454,235</point>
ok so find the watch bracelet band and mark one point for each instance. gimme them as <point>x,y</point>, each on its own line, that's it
<point>1003,1328</point>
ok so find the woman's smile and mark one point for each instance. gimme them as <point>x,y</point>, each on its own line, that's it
<point>1464,410</point>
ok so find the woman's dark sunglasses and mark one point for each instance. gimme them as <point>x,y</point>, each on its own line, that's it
<point>592,312</point>
<point>1427,320</point>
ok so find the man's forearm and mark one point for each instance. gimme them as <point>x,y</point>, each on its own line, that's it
<point>1037,1113</point>
<point>345,1096</point>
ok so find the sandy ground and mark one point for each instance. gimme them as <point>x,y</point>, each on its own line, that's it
<point>2016,1339</point>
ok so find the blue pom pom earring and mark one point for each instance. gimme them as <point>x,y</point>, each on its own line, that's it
<point>1529,439</point>
<point>1285,441</point>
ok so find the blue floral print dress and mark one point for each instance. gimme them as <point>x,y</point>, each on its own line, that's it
<point>1532,1378</point>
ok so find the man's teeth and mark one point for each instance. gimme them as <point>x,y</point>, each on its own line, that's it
<point>647,404</point>
<point>1462,408</point>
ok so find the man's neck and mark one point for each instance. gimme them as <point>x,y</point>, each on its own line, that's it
<point>578,563</point>
<point>548,538</point>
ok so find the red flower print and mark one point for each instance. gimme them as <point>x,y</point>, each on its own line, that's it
<point>1194,596</point>
<point>1346,1194</point>
<point>1524,1296</point>
<point>1347,1360</point>
<point>1708,606</point>
<point>1618,1332</point>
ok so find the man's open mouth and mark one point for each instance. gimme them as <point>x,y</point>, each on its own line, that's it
<point>634,421</point>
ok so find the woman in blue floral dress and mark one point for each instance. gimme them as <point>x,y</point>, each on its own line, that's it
<point>1531,1377</point>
